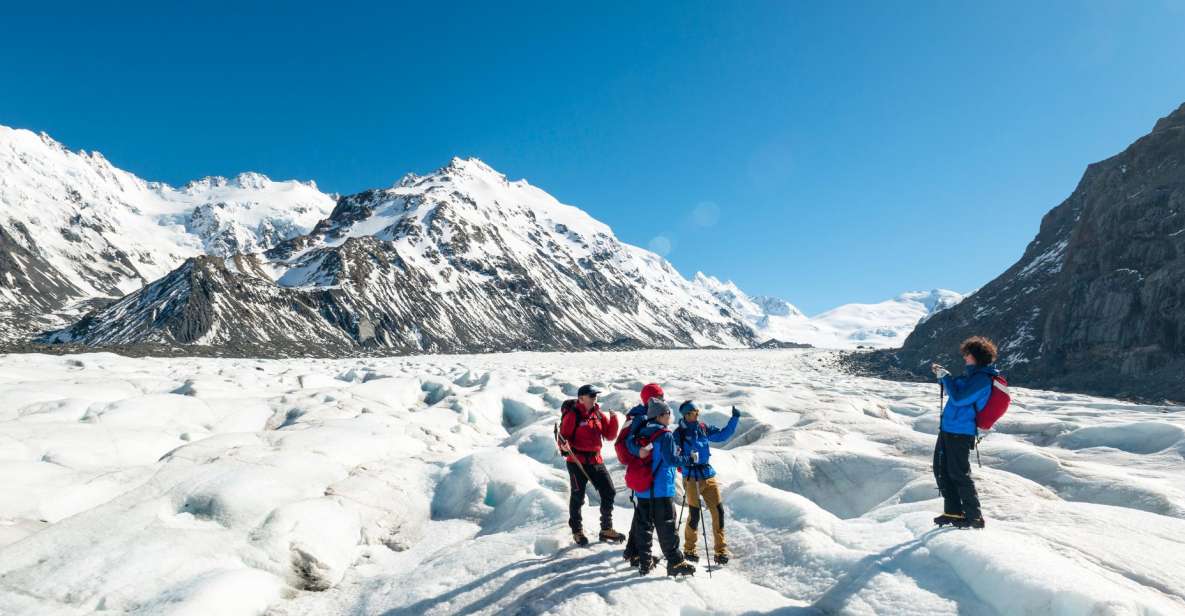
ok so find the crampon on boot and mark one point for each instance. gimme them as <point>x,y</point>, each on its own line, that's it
<point>691,556</point>
<point>579,538</point>
<point>635,560</point>
<point>948,518</point>
<point>721,559</point>
<point>646,565</point>
<point>976,524</point>
<point>611,536</point>
<point>680,568</point>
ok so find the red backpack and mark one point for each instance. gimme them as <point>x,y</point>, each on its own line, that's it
<point>996,405</point>
<point>639,477</point>
<point>624,456</point>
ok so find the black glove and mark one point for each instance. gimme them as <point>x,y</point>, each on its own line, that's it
<point>736,412</point>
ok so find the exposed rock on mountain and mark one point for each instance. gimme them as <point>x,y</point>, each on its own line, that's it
<point>74,229</point>
<point>461,260</point>
<point>1097,301</point>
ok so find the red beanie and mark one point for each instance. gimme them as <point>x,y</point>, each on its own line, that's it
<point>651,390</point>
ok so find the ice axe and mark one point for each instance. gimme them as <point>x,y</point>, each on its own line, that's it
<point>561,444</point>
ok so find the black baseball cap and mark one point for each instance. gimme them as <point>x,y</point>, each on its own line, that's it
<point>587,390</point>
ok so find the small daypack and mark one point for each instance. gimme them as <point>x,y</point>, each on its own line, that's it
<point>996,405</point>
<point>639,477</point>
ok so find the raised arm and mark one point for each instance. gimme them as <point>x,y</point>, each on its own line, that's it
<point>719,435</point>
<point>609,428</point>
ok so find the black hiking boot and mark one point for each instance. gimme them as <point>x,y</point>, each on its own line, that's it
<point>691,556</point>
<point>976,524</point>
<point>634,560</point>
<point>579,538</point>
<point>681,568</point>
<point>611,536</point>
<point>948,518</point>
<point>646,565</point>
<point>722,559</point>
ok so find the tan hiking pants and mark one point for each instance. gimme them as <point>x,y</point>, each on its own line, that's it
<point>709,492</point>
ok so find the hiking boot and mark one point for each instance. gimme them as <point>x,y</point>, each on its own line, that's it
<point>646,564</point>
<point>635,559</point>
<point>611,536</point>
<point>976,524</point>
<point>579,538</point>
<point>722,559</point>
<point>681,568</point>
<point>948,518</point>
<point>691,556</point>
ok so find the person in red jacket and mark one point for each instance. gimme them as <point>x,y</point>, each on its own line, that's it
<point>582,428</point>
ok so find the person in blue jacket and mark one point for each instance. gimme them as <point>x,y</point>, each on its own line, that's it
<point>657,505</point>
<point>699,479</point>
<point>966,396</point>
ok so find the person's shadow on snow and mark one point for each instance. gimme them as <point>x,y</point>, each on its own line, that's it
<point>560,578</point>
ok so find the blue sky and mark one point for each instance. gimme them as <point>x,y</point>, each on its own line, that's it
<point>825,154</point>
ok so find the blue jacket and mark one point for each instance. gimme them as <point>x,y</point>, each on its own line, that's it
<point>966,396</point>
<point>695,437</point>
<point>663,460</point>
<point>635,419</point>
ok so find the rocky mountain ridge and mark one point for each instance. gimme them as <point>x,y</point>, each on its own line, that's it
<point>1097,302</point>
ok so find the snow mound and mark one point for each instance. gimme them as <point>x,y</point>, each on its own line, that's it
<point>1146,438</point>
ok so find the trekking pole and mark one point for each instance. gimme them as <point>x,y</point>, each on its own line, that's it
<point>681,509</point>
<point>977,439</point>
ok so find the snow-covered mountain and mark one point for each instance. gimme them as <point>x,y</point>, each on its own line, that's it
<point>881,325</point>
<point>75,228</point>
<point>459,260</point>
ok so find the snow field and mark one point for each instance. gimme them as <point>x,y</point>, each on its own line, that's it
<point>430,485</point>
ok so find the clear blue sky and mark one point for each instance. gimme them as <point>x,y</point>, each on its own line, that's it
<point>825,154</point>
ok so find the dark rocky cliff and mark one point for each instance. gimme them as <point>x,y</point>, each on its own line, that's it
<point>1097,302</point>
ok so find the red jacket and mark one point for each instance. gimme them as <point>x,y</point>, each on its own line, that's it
<point>584,429</point>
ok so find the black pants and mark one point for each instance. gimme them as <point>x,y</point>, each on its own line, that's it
<point>602,482</point>
<point>658,515</point>
<point>952,471</point>
<point>636,530</point>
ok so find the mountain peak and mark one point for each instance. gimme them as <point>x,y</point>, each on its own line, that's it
<point>249,180</point>
<point>473,167</point>
<point>1176,119</point>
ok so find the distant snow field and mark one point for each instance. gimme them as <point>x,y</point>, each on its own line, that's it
<point>430,485</point>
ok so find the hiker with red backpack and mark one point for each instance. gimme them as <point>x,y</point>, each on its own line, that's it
<point>634,420</point>
<point>975,400</point>
<point>699,480</point>
<point>582,427</point>
<point>656,492</point>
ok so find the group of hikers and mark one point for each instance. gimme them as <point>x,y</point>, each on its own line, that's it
<point>656,449</point>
